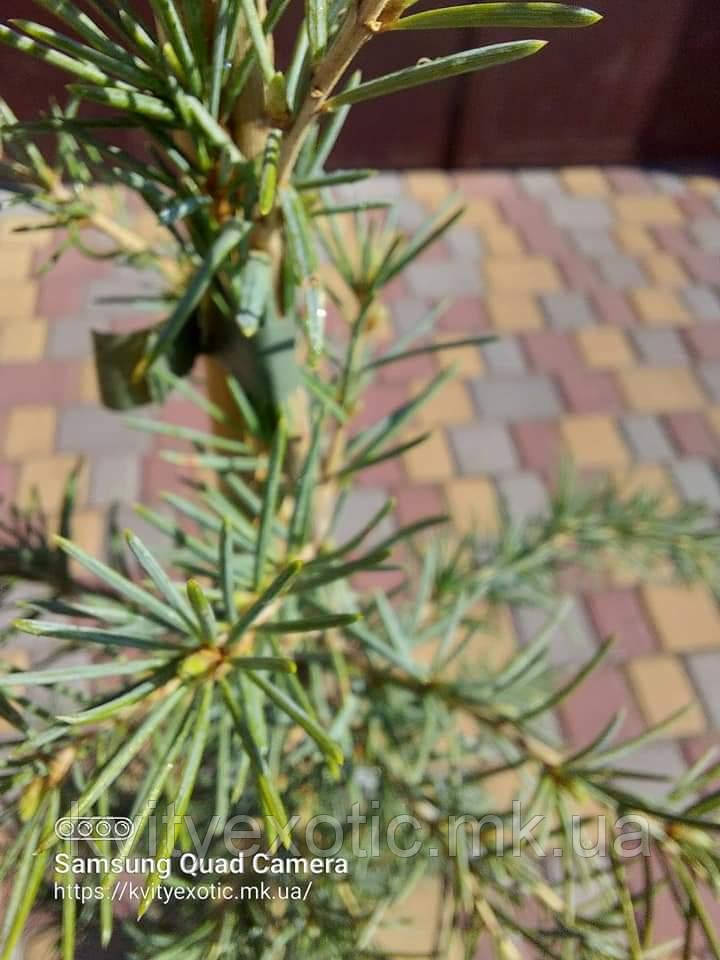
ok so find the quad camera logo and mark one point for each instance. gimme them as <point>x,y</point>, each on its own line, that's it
<point>94,828</point>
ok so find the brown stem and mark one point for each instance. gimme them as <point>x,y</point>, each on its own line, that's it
<point>359,25</point>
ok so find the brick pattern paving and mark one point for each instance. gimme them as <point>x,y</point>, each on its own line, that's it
<point>604,288</point>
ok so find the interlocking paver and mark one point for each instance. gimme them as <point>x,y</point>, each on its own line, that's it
<point>524,495</point>
<point>504,356</point>
<point>702,302</point>
<point>115,478</point>
<point>595,242</point>
<point>663,687</point>
<point>605,348</point>
<point>528,273</point>
<point>430,461</point>
<point>621,272</point>
<point>568,310</point>
<point>660,757</point>
<point>483,448</point>
<point>510,312</point>
<point>660,390</point>
<point>692,434</point>
<point>697,480</point>
<point>473,504</point>
<point>707,233</point>
<point>647,437</point>
<point>594,441</point>
<point>710,375</point>
<point>444,278</point>
<point>552,351</point>
<point>586,181</point>
<point>661,348</point>
<point>30,431</point>
<point>647,209</point>
<point>515,398</point>
<point>618,613</point>
<point>685,618</point>
<point>581,212</point>
<point>659,307</point>
<point>92,430</point>
<point>664,270</point>
<point>705,671</point>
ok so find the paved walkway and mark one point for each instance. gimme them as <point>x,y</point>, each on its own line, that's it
<point>604,286</point>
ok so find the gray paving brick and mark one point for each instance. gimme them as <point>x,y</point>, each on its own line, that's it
<point>407,313</point>
<point>154,539</point>
<point>115,478</point>
<point>573,641</point>
<point>697,480</point>
<point>669,183</point>
<point>595,243</point>
<point>483,448</point>
<point>705,671</point>
<point>504,356</point>
<point>360,504</point>
<point>647,437</point>
<point>703,302</point>
<point>410,214</point>
<point>707,233</point>
<point>660,347</point>
<point>710,374</point>
<point>444,278</point>
<point>465,242</point>
<point>72,336</point>
<point>567,310</point>
<point>517,398</point>
<point>120,283</point>
<point>524,495</point>
<point>663,757</point>
<point>621,272</point>
<point>584,212</point>
<point>541,183</point>
<point>90,430</point>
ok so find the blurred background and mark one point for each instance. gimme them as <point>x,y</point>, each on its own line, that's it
<point>641,87</point>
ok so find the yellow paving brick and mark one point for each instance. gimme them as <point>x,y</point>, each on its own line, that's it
<point>586,181</point>
<point>468,361</point>
<point>605,348</point>
<point>594,441</point>
<point>501,240</point>
<point>713,415</point>
<point>709,186</point>
<point>430,187</point>
<point>660,307</point>
<point>495,642</point>
<point>662,687</point>
<point>665,270</point>
<point>89,390</point>
<point>30,432</point>
<point>89,530</point>
<point>430,461</point>
<point>647,476</point>
<point>15,262</point>
<point>647,208</point>
<point>49,475</point>
<point>18,300</point>
<point>686,618</point>
<point>634,238</point>
<point>10,235</point>
<point>660,390</point>
<point>473,504</point>
<point>22,341</point>
<point>451,404</point>
<point>514,311</point>
<point>480,212</point>
<point>414,922</point>
<point>531,274</point>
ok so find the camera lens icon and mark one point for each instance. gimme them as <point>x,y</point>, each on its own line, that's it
<point>94,828</point>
